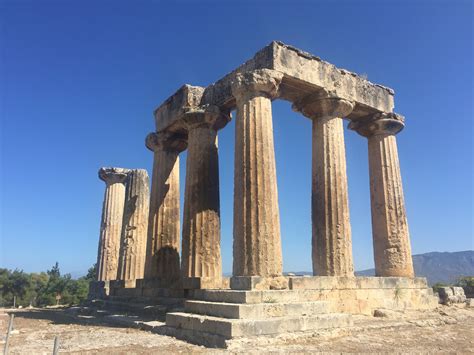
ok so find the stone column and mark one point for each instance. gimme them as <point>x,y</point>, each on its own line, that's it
<point>134,228</point>
<point>201,256</point>
<point>392,251</point>
<point>111,224</point>
<point>257,241</point>
<point>331,242</point>
<point>162,260</point>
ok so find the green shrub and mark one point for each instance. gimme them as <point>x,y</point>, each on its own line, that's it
<point>465,281</point>
<point>438,285</point>
<point>41,289</point>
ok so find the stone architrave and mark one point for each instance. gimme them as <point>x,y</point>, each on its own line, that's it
<point>257,241</point>
<point>201,253</point>
<point>392,251</point>
<point>134,228</point>
<point>162,259</point>
<point>331,241</point>
<point>111,223</point>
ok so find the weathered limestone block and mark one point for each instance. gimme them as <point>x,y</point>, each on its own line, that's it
<point>134,228</point>
<point>445,294</point>
<point>201,255</point>
<point>331,242</point>
<point>168,114</point>
<point>450,295</point>
<point>469,291</point>
<point>392,250</point>
<point>162,259</point>
<point>362,295</point>
<point>259,283</point>
<point>257,243</point>
<point>111,224</point>
<point>98,290</point>
<point>304,73</point>
<point>387,313</point>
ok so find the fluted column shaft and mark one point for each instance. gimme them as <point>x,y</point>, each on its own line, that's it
<point>134,227</point>
<point>257,240</point>
<point>391,238</point>
<point>201,252</point>
<point>331,241</point>
<point>162,260</point>
<point>111,222</point>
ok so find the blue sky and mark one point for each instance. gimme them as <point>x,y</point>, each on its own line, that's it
<point>80,80</point>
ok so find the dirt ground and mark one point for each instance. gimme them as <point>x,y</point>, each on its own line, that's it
<point>445,330</point>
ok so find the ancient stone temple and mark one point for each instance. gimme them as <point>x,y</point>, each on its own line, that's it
<point>177,266</point>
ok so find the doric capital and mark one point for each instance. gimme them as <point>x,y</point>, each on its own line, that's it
<point>166,141</point>
<point>205,116</point>
<point>381,123</point>
<point>260,82</point>
<point>323,103</point>
<point>113,175</point>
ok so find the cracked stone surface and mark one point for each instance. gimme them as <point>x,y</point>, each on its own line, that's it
<point>392,250</point>
<point>134,226</point>
<point>163,242</point>
<point>257,240</point>
<point>331,242</point>
<point>111,222</point>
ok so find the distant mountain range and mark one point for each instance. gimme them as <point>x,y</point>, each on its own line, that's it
<point>442,267</point>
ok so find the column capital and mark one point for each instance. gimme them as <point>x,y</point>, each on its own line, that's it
<point>112,175</point>
<point>323,103</point>
<point>205,116</point>
<point>166,141</point>
<point>260,82</point>
<point>381,123</point>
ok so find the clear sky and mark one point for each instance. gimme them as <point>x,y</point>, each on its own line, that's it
<point>79,81</point>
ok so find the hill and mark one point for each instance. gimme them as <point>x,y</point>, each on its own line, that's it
<point>443,267</point>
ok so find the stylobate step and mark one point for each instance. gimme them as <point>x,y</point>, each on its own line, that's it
<point>267,296</point>
<point>230,328</point>
<point>255,310</point>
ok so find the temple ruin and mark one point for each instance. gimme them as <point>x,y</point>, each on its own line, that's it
<point>139,248</point>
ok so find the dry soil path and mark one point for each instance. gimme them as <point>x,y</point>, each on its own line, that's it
<point>446,330</point>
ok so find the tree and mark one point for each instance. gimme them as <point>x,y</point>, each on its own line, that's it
<point>92,273</point>
<point>465,281</point>
<point>5,287</point>
<point>42,289</point>
<point>38,283</point>
<point>54,272</point>
<point>56,285</point>
<point>13,284</point>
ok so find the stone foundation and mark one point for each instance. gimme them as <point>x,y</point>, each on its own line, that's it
<point>362,295</point>
<point>98,289</point>
<point>254,307</point>
<point>259,283</point>
<point>196,283</point>
<point>265,305</point>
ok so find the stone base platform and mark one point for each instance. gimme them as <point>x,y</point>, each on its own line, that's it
<point>362,295</point>
<point>266,306</point>
<point>214,316</point>
<point>201,329</point>
<point>150,308</point>
<point>194,283</point>
<point>98,289</point>
<point>303,304</point>
<point>150,298</point>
